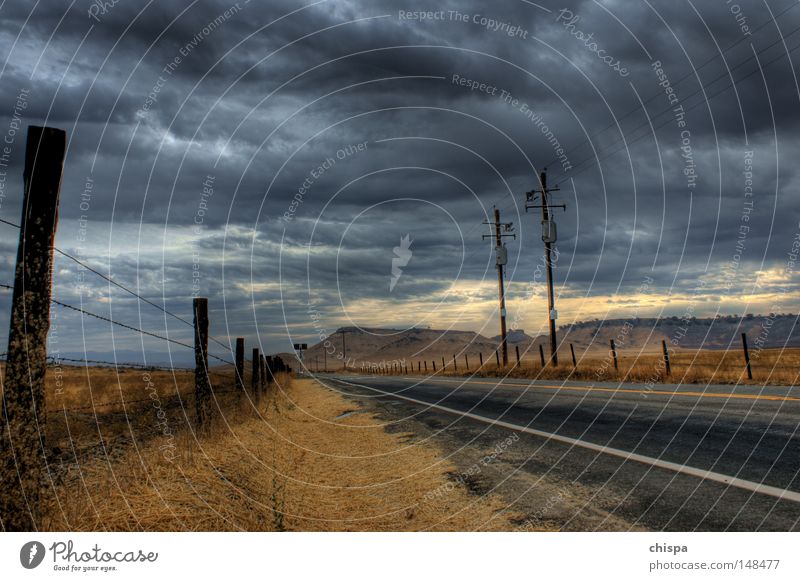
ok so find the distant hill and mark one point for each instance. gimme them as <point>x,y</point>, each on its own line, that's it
<point>376,344</point>
<point>694,333</point>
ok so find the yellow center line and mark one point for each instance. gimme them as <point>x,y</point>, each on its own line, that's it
<point>639,391</point>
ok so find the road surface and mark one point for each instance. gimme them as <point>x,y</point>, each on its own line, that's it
<point>689,457</point>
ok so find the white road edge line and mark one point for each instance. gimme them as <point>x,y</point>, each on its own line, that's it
<point>673,466</point>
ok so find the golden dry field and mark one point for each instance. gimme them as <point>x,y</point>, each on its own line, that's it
<point>301,458</point>
<point>769,367</point>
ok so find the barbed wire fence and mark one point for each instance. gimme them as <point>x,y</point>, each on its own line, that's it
<point>23,466</point>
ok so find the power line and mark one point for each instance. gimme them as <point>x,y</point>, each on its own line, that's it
<point>625,142</point>
<point>683,78</point>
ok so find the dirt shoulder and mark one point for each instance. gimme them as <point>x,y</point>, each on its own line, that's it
<point>307,459</point>
<point>538,490</point>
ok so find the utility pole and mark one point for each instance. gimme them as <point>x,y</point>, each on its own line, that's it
<point>502,259</point>
<point>549,238</point>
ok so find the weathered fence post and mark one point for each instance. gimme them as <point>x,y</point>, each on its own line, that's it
<point>240,363</point>
<point>497,356</point>
<point>480,357</point>
<point>747,356</point>
<point>255,380</point>
<point>419,366</point>
<point>455,365</point>
<point>614,353</point>
<point>516,348</point>
<point>202,386</point>
<point>666,357</point>
<point>541,354</point>
<point>23,461</point>
<point>264,373</point>
<point>443,365</point>
<point>434,366</point>
<point>466,361</point>
<point>426,366</point>
<point>572,350</point>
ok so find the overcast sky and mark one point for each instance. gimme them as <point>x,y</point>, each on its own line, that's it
<point>273,155</point>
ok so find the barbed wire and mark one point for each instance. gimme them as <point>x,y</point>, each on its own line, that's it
<point>125,326</point>
<point>123,287</point>
<point>144,366</point>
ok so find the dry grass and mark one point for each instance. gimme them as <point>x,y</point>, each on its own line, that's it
<point>769,366</point>
<point>287,463</point>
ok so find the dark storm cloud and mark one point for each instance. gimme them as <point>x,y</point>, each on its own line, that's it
<point>261,102</point>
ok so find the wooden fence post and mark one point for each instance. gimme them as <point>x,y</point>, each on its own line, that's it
<point>572,350</point>
<point>269,369</point>
<point>516,348</point>
<point>497,356</point>
<point>480,357</point>
<point>256,377</point>
<point>23,461</point>
<point>426,366</point>
<point>614,354</point>
<point>541,354</point>
<point>747,356</point>
<point>240,363</point>
<point>202,386</point>
<point>466,361</point>
<point>443,365</point>
<point>434,366</point>
<point>455,364</point>
<point>419,366</point>
<point>666,357</point>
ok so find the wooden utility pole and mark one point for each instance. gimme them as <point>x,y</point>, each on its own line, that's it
<point>501,259</point>
<point>240,363</point>
<point>548,237</point>
<point>23,458</point>
<point>202,386</point>
<point>747,356</point>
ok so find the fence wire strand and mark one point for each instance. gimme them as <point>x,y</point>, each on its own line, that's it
<point>125,326</point>
<point>124,288</point>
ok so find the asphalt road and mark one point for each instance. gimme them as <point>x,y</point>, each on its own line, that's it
<point>748,438</point>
